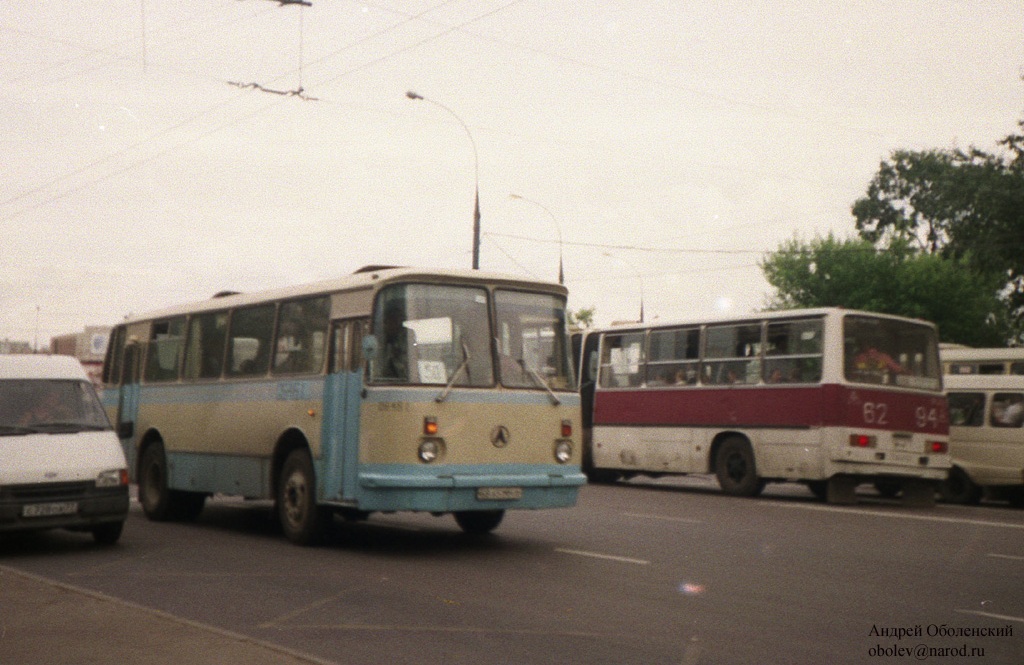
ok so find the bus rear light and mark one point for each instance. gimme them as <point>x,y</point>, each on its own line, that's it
<point>938,446</point>
<point>566,429</point>
<point>429,426</point>
<point>863,441</point>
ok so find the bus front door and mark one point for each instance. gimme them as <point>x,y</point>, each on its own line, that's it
<point>128,404</point>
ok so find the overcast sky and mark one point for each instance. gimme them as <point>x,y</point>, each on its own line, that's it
<point>670,144</point>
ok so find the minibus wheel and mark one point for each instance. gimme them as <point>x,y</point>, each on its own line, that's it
<point>959,488</point>
<point>107,534</point>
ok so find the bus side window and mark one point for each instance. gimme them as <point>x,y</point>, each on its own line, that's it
<point>249,340</point>
<point>966,409</point>
<point>622,362</point>
<point>1007,410</point>
<point>347,345</point>
<point>166,345</point>
<point>301,336</point>
<point>204,352</point>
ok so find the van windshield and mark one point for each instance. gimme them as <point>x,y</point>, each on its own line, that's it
<point>45,405</point>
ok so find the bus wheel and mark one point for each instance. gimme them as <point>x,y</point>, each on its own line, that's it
<point>153,493</point>
<point>479,521</point>
<point>734,466</point>
<point>302,521</point>
<point>888,488</point>
<point>819,488</point>
<point>187,505</point>
<point>959,488</point>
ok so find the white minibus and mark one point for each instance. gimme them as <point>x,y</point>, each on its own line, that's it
<point>61,464</point>
<point>986,438</point>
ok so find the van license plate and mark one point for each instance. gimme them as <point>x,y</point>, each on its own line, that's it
<point>50,509</point>
<point>499,493</point>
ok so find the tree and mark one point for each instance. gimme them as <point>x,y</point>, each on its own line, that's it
<point>582,318</point>
<point>967,206</point>
<point>853,273</point>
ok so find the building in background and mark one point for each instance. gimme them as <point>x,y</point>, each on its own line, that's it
<point>88,346</point>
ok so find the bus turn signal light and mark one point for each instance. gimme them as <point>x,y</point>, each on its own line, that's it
<point>566,429</point>
<point>938,446</point>
<point>429,425</point>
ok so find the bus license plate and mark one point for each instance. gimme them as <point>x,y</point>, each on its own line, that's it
<point>499,493</point>
<point>49,509</point>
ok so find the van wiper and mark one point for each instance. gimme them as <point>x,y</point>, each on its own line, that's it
<point>541,382</point>
<point>447,389</point>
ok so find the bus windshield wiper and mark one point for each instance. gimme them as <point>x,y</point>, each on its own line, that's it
<point>540,382</point>
<point>447,389</point>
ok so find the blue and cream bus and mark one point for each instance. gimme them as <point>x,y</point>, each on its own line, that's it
<point>392,389</point>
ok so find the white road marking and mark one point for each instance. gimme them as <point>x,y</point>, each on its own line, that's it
<point>648,516</point>
<point>1001,617</point>
<point>904,516</point>
<point>609,557</point>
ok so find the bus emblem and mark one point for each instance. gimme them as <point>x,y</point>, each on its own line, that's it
<point>500,436</point>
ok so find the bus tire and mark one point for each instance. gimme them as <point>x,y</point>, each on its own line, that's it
<point>154,495</point>
<point>479,522</point>
<point>187,506</point>
<point>736,470</point>
<point>302,520</point>
<point>959,488</point>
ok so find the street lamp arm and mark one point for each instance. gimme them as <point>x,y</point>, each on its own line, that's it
<point>558,229</point>
<point>476,173</point>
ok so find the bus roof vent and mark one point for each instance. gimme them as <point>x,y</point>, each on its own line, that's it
<point>373,268</point>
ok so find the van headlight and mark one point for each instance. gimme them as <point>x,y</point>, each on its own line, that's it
<point>112,478</point>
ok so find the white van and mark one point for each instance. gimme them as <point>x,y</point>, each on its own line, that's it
<point>986,437</point>
<point>61,465</point>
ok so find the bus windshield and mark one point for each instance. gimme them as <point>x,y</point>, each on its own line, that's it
<point>432,334</point>
<point>533,341</point>
<point>888,352</point>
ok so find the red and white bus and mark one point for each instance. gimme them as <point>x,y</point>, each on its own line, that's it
<point>828,397</point>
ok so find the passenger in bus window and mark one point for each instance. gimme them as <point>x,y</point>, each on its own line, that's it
<point>1008,410</point>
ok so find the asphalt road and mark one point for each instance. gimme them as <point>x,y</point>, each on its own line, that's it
<point>648,572</point>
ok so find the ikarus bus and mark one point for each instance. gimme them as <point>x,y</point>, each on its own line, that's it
<point>393,389</point>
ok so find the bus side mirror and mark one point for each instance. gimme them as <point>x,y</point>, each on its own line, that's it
<point>592,365</point>
<point>370,346</point>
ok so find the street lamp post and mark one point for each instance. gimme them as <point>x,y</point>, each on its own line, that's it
<point>561,272</point>
<point>476,176</point>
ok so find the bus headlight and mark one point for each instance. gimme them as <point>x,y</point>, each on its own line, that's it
<point>563,452</point>
<point>430,450</point>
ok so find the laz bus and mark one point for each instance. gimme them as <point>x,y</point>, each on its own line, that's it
<point>393,389</point>
<point>828,397</point>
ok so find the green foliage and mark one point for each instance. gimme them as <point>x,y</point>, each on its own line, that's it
<point>828,272</point>
<point>582,318</point>
<point>965,206</point>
